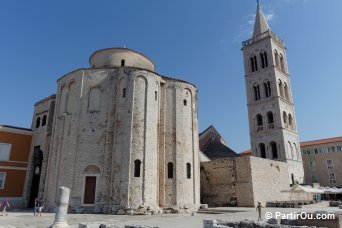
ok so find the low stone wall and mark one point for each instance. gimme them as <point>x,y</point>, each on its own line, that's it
<point>284,223</point>
<point>243,181</point>
<point>100,225</point>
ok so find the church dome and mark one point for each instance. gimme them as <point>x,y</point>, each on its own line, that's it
<point>120,57</point>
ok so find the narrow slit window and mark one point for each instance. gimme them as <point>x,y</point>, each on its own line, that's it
<point>170,170</point>
<point>188,170</point>
<point>124,92</point>
<point>155,95</point>
<point>137,164</point>
<point>185,102</point>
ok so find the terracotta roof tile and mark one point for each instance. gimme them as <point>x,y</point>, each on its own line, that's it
<point>321,141</point>
<point>246,152</point>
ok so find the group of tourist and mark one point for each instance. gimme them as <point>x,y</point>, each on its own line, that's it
<point>37,210</point>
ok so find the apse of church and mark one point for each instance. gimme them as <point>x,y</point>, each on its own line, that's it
<point>124,138</point>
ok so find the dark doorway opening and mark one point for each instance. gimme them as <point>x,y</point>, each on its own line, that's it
<point>89,190</point>
<point>37,166</point>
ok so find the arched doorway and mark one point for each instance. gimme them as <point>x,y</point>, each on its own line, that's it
<point>91,173</point>
<point>37,167</point>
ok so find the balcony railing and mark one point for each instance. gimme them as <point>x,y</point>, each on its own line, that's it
<point>261,36</point>
<point>260,128</point>
<point>271,126</point>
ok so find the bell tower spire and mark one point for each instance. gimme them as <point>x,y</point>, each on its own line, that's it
<point>260,25</point>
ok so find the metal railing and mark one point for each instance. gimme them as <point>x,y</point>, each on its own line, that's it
<point>260,128</point>
<point>271,126</point>
<point>261,36</point>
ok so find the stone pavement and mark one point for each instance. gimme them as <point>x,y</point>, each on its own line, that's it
<point>26,218</point>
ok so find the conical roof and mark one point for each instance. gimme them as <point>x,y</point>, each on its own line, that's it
<point>260,25</point>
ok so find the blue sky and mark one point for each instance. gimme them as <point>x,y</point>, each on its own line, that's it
<point>194,40</point>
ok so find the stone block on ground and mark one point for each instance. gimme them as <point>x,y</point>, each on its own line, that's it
<point>89,225</point>
<point>272,221</point>
<point>288,222</point>
<point>204,206</point>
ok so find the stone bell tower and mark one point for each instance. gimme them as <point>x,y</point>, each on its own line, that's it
<point>271,112</point>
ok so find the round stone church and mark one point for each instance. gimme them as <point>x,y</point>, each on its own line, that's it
<point>124,139</point>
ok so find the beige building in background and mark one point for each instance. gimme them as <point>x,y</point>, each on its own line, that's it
<point>322,160</point>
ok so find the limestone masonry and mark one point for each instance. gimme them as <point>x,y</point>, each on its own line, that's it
<point>123,138</point>
<point>271,113</point>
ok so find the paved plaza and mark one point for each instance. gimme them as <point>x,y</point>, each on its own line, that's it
<point>26,218</point>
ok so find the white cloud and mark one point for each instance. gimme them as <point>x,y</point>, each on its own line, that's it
<point>269,17</point>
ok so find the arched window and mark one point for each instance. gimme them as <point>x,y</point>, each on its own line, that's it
<point>296,151</point>
<point>285,119</point>
<point>188,170</point>
<point>94,100</point>
<point>137,164</point>
<point>274,150</point>
<point>262,60</point>
<point>259,122</point>
<point>263,57</point>
<point>270,120</point>
<point>254,64</point>
<point>63,100</point>
<point>286,90</point>
<point>262,149</point>
<point>71,98</point>
<point>170,170</point>
<point>38,122</point>
<point>281,88</point>
<point>290,150</point>
<point>282,65</point>
<point>44,120</point>
<point>122,62</point>
<point>290,121</point>
<point>267,88</point>
<point>257,92</point>
<point>276,58</point>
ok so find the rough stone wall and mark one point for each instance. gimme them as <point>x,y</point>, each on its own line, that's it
<point>245,185</point>
<point>142,116</point>
<point>269,178</point>
<point>218,183</point>
<point>243,179</point>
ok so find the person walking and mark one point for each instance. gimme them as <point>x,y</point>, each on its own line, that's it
<point>35,208</point>
<point>5,204</point>
<point>258,208</point>
<point>40,207</point>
